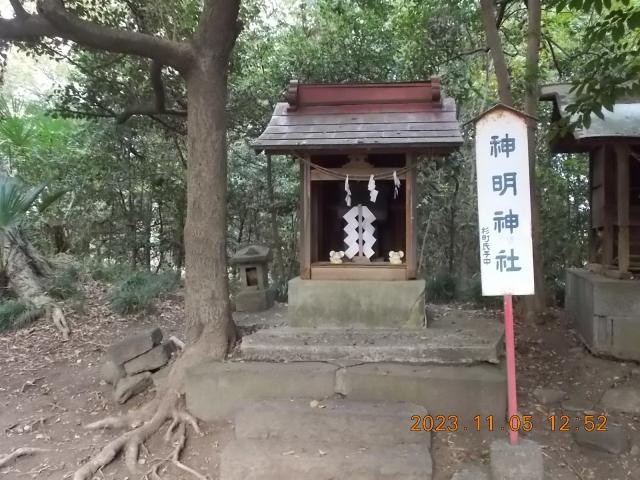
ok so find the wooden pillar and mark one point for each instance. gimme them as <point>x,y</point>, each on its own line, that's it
<point>607,206</point>
<point>305,232</point>
<point>411,216</point>
<point>593,233</point>
<point>622,184</point>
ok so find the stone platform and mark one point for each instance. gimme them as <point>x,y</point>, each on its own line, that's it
<point>606,313</point>
<point>361,304</point>
<point>454,337</point>
<point>348,346</point>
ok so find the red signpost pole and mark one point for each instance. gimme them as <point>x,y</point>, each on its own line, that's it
<point>510,342</point>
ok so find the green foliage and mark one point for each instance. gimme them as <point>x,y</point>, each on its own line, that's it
<point>139,291</point>
<point>17,314</point>
<point>609,67</point>
<point>63,283</point>
<point>473,294</point>
<point>442,288</point>
<point>15,201</point>
<point>107,272</point>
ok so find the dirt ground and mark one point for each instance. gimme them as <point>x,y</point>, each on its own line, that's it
<point>49,389</point>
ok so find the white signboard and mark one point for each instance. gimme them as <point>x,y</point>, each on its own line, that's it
<point>504,204</point>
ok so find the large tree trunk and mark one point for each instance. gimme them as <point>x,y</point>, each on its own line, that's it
<point>535,304</point>
<point>210,328</point>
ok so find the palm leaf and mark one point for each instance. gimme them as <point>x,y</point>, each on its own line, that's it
<point>15,201</point>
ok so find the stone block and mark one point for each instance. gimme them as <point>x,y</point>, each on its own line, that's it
<point>332,421</point>
<point>215,390</point>
<point>625,336</point>
<point>362,304</point>
<point>516,462</point>
<point>279,460</point>
<point>581,405</point>
<point>154,359</point>
<point>548,396</point>
<point>128,387</point>
<point>605,312</point>
<point>111,372</point>
<point>612,440</point>
<point>160,378</point>
<point>472,473</point>
<point>465,391</point>
<point>134,346</point>
<point>348,346</point>
<point>254,300</point>
<point>622,399</point>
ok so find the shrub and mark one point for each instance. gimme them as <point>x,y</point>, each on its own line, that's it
<point>473,294</point>
<point>138,291</point>
<point>64,283</point>
<point>17,314</point>
<point>108,273</point>
<point>442,288</point>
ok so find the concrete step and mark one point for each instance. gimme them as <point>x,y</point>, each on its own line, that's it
<point>278,460</point>
<point>462,391</point>
<point>216,390</point>
<point>332,421</point>
<point>450,346</point>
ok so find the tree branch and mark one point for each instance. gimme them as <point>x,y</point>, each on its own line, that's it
<point>155,107</point>
<point>553,56</point>
<point>495,45</point>
<point>503,8</point>
<point>18,9</point>
<point>53,20</point>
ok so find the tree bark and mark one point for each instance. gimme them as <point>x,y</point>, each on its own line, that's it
<point>497,55</point>
<point>535,304</point>
<point>207,307</point>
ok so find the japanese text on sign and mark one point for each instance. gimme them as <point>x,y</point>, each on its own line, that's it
<point>504,210</point>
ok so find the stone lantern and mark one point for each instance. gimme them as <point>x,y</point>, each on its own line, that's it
<point>254,294</point>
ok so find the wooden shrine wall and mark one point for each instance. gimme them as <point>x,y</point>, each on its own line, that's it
<point>615,206</point>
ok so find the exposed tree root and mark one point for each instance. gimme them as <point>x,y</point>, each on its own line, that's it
<point>144,423</point>
<point>148,420</point>
<point>19,452</point>
<point>60,322</point>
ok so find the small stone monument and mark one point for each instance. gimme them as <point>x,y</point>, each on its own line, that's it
<point>254,294</point>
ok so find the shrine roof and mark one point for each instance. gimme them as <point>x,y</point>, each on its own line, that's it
<point>621,124</point>
<point>411,116</point>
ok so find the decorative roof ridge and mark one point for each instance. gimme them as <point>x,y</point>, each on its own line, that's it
<point>300,95</point>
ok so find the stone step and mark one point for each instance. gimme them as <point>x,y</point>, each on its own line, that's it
<point>461,391</point>
<point>278,460</point>
<point>332,421</point>
<point>425,346</point>
<point>216,390</point>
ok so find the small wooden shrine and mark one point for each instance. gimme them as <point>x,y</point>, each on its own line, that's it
<point>603,299</point>
<point>358,146</point>
<point>613,145</point>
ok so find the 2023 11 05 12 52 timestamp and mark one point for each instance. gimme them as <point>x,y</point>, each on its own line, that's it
<point>520,423</point>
